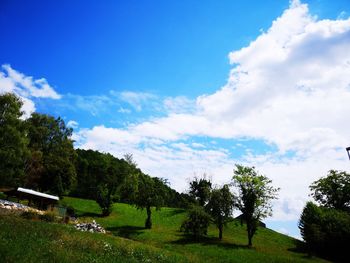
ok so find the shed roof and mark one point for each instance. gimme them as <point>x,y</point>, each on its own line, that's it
<point>32,192</point>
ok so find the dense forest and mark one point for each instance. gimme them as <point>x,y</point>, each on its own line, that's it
<point>38,153</point>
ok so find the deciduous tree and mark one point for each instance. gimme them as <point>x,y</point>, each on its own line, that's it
<point>333,190</point>
<point>220,207</point>
<point>52,154</point>
<point>150,193</point>
<point>254,193</point>
<point>200,189</point>
<point>13,142</point>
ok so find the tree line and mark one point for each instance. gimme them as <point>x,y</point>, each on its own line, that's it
<point>38,153</point>
<point>251,194</point>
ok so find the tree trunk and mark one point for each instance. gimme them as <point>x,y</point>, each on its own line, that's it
<point>250,233</point>
<point>250,240</point>
<point>148,223</point>
<point>220,231</point>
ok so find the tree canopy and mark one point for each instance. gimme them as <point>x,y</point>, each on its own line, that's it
<point>13,142</point>
<point>254,195</point>
<point>333,190</point>
<point>220,207</point>
<point>51,165</point>
<point>200,189</point>
<point>150,192</point>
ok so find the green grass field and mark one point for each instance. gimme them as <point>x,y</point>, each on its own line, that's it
<point>34,241</point>
<point>128,222</point>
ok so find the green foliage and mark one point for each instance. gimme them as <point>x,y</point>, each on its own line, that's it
<point>100,177</point>
<point>220,207</point>
<point>254,195</point>
<point>200,189</point>
<point>30,215</point>
<point>333,190</point>
<point>13,142</point>
<point>2,195</point>
<point>196,223</point>
<point>48,216</point>
<point>104,199</point>
<point>326,231</point>
<point>150,192</point>
<point>51,164</point>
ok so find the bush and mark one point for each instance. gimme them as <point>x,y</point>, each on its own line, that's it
<point>30,215</point>
<point>326,231</point>
<point>71,211</point>
<point>104,200</point>
<point>197,222</point>
<point>2,195</point>
<point>48,216</point>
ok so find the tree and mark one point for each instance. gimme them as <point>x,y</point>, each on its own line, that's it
<point>200,190</point>
<point>13,142</point>
<point>196,223</point>
<point>100,177</point>
<point>150,192</point>
<point>220,207</point>
<point>333,190</point>
<point>254,195</point>
<point>51,162</point>
<point>326,231</point>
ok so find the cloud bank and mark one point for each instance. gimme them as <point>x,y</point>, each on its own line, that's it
<point>25,87</point>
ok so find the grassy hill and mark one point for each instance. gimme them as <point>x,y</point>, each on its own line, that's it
<point>27,241</point>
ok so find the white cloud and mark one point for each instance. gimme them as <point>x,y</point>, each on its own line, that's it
<point>180,104</point>
<point>72,124</point>
<point>25,87</point>
<point>94,104</point>
<point>136,99</point>
<point>290,87</point>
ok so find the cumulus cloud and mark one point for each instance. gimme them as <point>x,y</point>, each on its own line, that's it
<point>290,87</point>
<point>25,87</point>
<point>135,99</point>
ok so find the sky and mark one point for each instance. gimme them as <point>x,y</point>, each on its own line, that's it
<point>192,87</point>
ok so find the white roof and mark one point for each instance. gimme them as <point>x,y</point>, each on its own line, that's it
<point>32,192</point>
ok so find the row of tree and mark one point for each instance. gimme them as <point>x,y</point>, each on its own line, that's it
<point>252,196</point>
<point>38,153</point>
<point>325,227</point>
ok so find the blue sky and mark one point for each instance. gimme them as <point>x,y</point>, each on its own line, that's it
<point>191,87</point>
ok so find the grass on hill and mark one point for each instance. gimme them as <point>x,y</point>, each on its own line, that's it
<point>23,240</point>
<point>126,221</point>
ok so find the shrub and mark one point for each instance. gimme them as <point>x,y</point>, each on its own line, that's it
<point>71,211</point>
<point>326,231</point>
<point>2,195</point>
<point>48,216</point>
<point>197,222</point>
<point>30,215</point>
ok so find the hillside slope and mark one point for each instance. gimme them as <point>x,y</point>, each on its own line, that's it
<point>128,222</point>
<point>23,240</point>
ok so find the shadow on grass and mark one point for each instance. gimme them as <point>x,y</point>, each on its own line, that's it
<point>126,231</point>
<point>208,241</point>
<point>300,247</point>
<point>176,211</point>
<point>87,214</point>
